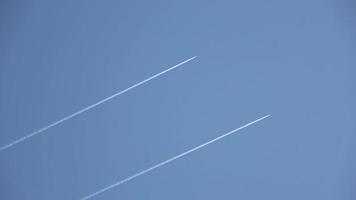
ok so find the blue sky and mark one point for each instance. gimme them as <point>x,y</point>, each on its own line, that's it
<point>292,59</point>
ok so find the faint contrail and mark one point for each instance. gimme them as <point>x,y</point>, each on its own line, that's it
<point>169,160</point>
<point>91,106</point>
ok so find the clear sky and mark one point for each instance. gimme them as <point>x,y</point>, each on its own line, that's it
<point>292,59</point>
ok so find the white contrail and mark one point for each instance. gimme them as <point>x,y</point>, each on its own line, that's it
<point>92,106</point>
<point>169,160</point>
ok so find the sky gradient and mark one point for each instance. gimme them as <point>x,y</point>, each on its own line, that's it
<point>292,59</point>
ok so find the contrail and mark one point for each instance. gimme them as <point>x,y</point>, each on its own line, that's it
<point>92,106</point>
<point>169,160</point>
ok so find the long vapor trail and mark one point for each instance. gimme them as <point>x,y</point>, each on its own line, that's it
<point>22,139</point>
<point>169,160</point>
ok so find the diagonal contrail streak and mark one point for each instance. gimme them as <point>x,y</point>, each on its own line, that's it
<point>91,106</point>
<point>169,160</point>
